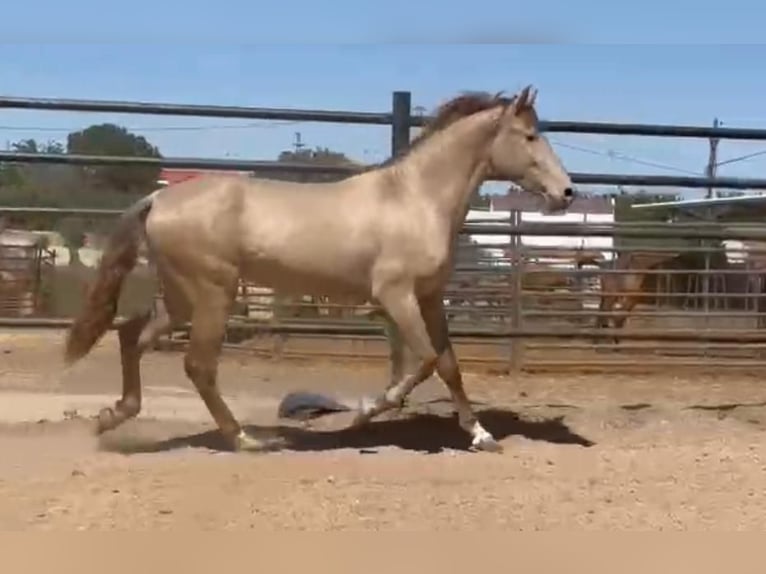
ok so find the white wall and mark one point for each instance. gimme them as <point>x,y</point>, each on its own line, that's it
<point>604,244</point>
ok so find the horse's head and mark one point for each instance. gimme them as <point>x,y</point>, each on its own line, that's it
<point>521,154</point>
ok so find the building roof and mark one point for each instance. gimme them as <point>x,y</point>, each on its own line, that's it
<point>743,207</point>
<point>171,176</point>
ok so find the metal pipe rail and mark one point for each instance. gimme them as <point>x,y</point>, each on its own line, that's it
<point>712,336</point>
<point>553,229</point>
<point>548,229</point>
<point>265,167</point>
<point>669,271</point>
<point>637,294</point>
<point>194,110</point>
<point>370,118</point>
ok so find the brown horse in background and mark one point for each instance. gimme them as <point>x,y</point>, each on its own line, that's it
<point>622,292</point>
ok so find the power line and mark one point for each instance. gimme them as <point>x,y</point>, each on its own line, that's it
<point>267,125</point>
<point>624,157</point>
<point>277,123</point>
<point>742,157</point>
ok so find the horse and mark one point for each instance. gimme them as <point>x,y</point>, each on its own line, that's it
<point>621,292</point>
<point>386,234</point>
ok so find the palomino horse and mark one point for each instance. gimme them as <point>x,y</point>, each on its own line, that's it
<point>386,235</point>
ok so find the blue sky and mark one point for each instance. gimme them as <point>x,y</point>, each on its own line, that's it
<point>637,62</point>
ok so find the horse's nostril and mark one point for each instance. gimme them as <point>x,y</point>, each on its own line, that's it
<point>568,192</point>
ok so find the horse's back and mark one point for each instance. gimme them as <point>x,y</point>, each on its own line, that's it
<point>280,234</point>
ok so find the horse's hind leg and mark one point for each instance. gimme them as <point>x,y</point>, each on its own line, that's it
<point>136,335</point>
<point>395,352</point>
<point>208,326</point>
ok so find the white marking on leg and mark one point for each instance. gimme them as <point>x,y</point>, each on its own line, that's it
<point>391,398</point>
<point>250,443</point>
<point>370,408</point>
<point>483,440</point>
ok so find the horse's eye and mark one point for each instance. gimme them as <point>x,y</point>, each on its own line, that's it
<point>531,138</point>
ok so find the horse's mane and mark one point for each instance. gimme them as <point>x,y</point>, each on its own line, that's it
<point>457,108</point>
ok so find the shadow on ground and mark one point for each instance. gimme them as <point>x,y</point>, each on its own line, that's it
<point>422,433</point>
<point>726,407</point>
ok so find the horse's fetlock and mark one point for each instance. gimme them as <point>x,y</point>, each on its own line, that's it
<point>129,405</point>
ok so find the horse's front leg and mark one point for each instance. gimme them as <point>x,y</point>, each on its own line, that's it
<point>404,324</point>
<point>423,324</point>
<point>435,318</point>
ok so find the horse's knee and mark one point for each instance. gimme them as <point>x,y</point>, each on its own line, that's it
<point>200,371</point>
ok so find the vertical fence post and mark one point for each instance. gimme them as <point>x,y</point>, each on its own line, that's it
<point>517,295</point>
<point>401,121</point>
<point>707,244</point>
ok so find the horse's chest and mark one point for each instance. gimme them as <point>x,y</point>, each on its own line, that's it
<point>428,242</point>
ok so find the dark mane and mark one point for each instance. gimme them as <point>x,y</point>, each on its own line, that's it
<point>459,107</point>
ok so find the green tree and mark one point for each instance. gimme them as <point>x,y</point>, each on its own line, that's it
<point>624,212</point>
<point>16,175</point>
<point>687,258</point>
<point>319,156</point>
<point>52,185</point>
<point>114,140</point>
<point>33,146</point>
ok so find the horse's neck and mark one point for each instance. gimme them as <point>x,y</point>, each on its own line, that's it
<point>450,166</point>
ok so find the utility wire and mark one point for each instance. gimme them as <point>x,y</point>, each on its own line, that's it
<point>742,157</point>
<point>277,123</point>
<point>624,157</point>
<point>267,125</point>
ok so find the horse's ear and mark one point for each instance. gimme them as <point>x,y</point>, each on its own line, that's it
<point>532,97</point>
<point>522,100</point>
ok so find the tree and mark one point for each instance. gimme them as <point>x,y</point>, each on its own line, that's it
<point>319,156</point>
<point>623,203</point>
<point>14,175</point>
<point>52,185</point>
<point>623,212</point>
<point>33,146</point>
<point>114,140</point>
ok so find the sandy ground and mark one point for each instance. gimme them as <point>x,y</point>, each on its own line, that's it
<point>581,451</point>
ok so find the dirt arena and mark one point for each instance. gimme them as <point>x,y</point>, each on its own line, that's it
<point>581,451</point>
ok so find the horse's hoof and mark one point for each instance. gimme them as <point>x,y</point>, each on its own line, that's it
<point>106,420</point>
<point>486,444</point>
<point>247,443</point>
<point>359,420</point>
<point>363,412</point>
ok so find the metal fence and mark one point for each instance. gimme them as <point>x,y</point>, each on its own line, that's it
<point>22,268</point>
<point>511,305</point>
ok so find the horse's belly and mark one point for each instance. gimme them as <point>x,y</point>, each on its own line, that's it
<point>337,281</point>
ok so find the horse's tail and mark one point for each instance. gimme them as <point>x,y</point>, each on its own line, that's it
<point>119,259</point>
